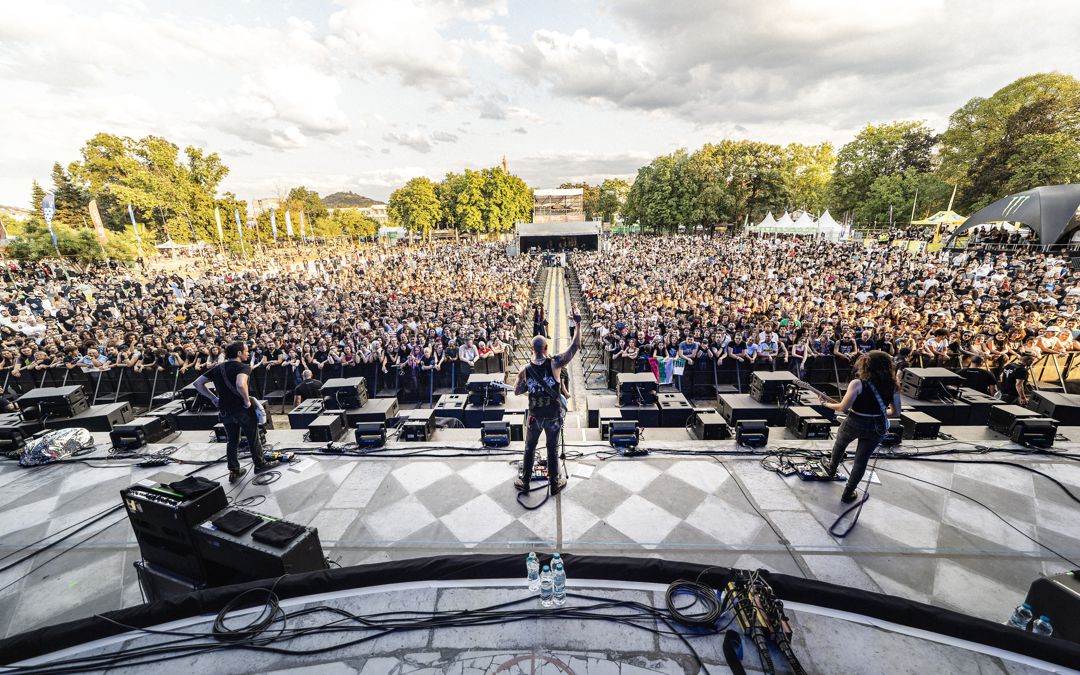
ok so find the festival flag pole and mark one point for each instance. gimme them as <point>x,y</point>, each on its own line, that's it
<point>48,209</point>
<point>220,234</point>
<point>135,228</point>
<point>913,202</point>
<point>240,231</point>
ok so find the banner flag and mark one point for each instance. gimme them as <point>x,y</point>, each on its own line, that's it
<point>273,223</point>
<point>239,230</point>
<point>95,217</point>
<point>302,235</point>
<point>48,209</point>
<point>217,217</point>
<point>288,223</point>
<point>131,214</point>
<point>679,367</point>
<point>662,370</point>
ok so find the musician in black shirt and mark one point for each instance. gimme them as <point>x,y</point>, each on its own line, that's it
<point>541,380</point>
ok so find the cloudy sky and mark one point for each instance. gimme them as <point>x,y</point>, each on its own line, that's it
<point>363,94</point>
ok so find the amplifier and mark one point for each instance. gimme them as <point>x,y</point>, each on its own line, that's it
<point>752,433</point>
<point>305,413</point>
<point>343,393</point>
<point>495,434</point>
<point>768,387</point>
<point>327,428</point>
<point>375,410</point>
<point>451,405</point>
<point>486,390</point>
<point>894,434</point>
<point>604,418</point>
<point>708,425</point>
<point>1038,432</point>
<point>170,408</point>
<point>370,434</point>
<point>158,583</point>
<point>1065,408</point>
<point>918,426</point>
<point>14,430</point>
<point>1002,417</point>
<point>95,418</point>
<point>636,388</point>
<point>1058,598</point>
<point>194,401</point>
<point>419,425</point>
<point>932,377</point>
<point>675,410</point>
<point>516,422</point>
<point>163,521</point>
<point>143,430</point>
<point>805,422</point>
<point>240,558</point>
<point>54,402</point>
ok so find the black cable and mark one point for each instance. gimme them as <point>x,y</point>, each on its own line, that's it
<point>266,618</point>
<point>702,594</point>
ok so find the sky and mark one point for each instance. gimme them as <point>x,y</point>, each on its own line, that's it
<point>362,95</point>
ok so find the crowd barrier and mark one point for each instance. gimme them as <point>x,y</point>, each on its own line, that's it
<point>273,382</point>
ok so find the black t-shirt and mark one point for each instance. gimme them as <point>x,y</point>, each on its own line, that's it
<point>1010,375</point>
<point>309,389</point>
<point>224,378</point>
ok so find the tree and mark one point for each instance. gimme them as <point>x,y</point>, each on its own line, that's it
<point>808,175</point>
<point>925,191</point>
<point>879,150</point>
<point>1025,135</point>
<point>351,223</point>
<point>590,197</point>
<point>71,201</point>
<point>613,193</point>
<point>78,244</point>
<point>303,200</point>
<point>415,207</point>
<point>37,193</point>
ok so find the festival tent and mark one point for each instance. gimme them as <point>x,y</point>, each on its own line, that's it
<point>767,221</point>
<point>805,223</point>
<point>828,228</point>
<point>783,223</point>
<point>1051,211</point>
<point>947,219</point>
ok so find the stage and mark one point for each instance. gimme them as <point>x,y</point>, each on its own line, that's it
<point>914,540</point>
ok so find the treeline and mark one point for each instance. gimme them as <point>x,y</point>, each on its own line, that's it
<point>1025,135</point>
<point>485,201</point>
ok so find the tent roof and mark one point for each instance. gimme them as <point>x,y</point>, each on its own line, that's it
<point>805,221</point>
<point>575,228</point>
<point>1051,211</point>
<point>785,220</point>
<point>559,192</point>
<point>942,218</point>
<point>826,222</point>
<point>767,221</point>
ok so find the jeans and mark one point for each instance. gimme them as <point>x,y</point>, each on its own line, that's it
<point>868,432</point>
<point>551,427</point>
<point>241,421</point>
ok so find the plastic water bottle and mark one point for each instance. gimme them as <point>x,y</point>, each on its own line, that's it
<point>1021,617</point>
<point>547,588</point>
<point>532,570</point>
<point>556,559</point>
<point>559,583</point>
<point>1042,626</point>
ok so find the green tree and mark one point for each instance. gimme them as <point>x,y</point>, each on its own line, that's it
<point>78,244</point>
<point>301,199</point>
<point>37,193</point>
<point>469,202</point>
<point>590,198</point>
<point>879,150</point>
<point>351,223</point>
<point>71,201</point>
<point>808,175</point>
<point>613,193</point>
<point>926,192</point>
<point>415,207</point>
<point>1025,135</point>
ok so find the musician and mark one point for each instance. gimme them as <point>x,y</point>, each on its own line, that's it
<point>865,402</point>
<point>541,379</point>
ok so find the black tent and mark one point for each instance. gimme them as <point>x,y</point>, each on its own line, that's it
<point>1051,211</point>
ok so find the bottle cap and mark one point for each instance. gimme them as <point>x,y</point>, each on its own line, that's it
<point>1044,618</point>
<point>558,566</point>
<point>1026,604</point>
<point>546,568</point>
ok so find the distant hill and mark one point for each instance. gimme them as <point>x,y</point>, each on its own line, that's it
<point>340,200</point>
<point>15,213</point>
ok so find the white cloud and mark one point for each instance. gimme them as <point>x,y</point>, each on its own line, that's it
<point>414,139</point>
<point>551,169</point>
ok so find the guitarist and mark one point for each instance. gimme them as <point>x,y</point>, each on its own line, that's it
<point>541,380</point>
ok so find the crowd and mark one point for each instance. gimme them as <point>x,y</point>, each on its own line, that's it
<point>407,309</point>
<point>781,303</point>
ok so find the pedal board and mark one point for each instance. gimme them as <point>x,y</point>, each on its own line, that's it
<point>815,471</point>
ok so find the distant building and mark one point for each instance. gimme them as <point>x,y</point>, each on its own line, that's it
<point>376,212</point>
<point>266,204</point>
<point>559,205</point>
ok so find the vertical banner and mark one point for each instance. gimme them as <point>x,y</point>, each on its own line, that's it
<point>288,224</point>
<point>134,226</point>
<point>273,222</point>
<point>302,234</point>
<point>48,209</point>
<point>95,217</point>
<point>890,215</point>
<point>217,217</point>
<point>239,230</point>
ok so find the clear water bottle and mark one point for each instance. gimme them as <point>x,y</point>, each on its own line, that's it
<point>1021,617</point>
<point>547,587</point>
<point>556,560</point>
<point>559,582</point>
<point>1042,626</point>
<point>532,570</point>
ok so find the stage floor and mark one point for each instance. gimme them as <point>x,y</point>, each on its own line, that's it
<point>914,540</point>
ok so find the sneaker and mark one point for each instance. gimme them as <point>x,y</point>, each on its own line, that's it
<point>521,485</point>
<point>559,486</point>
<point>849,496</point>
<point>262,468</point>
<point>236,474</point>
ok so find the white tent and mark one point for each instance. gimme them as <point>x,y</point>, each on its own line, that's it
<point>767,221</point>
<point>805,222</point>
<point>829,228</point>
<point>784,222</point>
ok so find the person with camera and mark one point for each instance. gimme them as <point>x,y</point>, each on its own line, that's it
<point>238,410</point>
<point>541,381</point>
